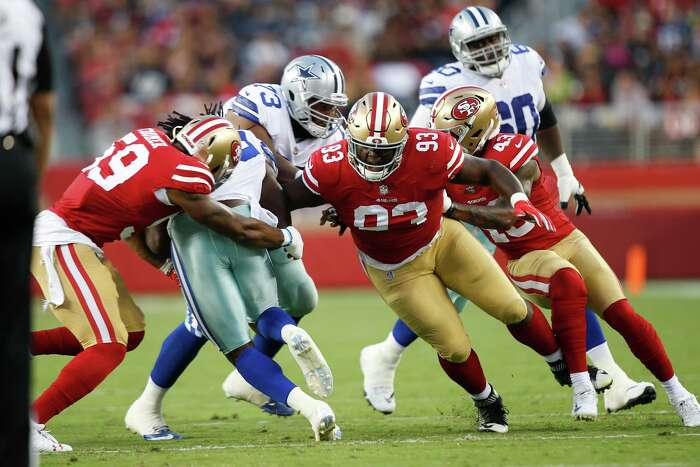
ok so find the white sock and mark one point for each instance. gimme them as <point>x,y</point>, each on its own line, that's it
<point>392,349</point>
<point>286,330</point>
<point>153,394</point>
<point>483,394</point>
<point>601,357</point>
<point>551,358</point>
<point>302,402</point>
<point>581,382</point>
<point>675,390</point>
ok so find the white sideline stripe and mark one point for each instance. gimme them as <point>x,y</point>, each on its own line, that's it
<point>541,286</point>
<point>419,440</point>
<point>93,309</point>
<point>195,169</point>
<point>522,153</point>
<point>180,178</point>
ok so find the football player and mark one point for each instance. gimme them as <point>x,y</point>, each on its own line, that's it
<point>294,119</point>
<point>513,74</point>
<point>560,269</point>
<point>386,182</point>
<point>228,285</point>
<point>143,177</point>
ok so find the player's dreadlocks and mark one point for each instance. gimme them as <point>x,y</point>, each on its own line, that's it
<point>176,120</point>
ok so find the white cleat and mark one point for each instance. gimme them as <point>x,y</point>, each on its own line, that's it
<point>379,373</point>
<point>147,421</point>
<point>323,424</point>
<point>236,387</point>
<point>626,394</point>
<point>317,373</point>
<point>689,411</point>
<point>585,405</point>
<point>43,441</point>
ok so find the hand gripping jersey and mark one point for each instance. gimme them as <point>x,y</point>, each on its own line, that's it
<point>514,151</point>
<point>394,220</point>
<point>264,105</point>
<point>124,190</point>
<point>519,93</point>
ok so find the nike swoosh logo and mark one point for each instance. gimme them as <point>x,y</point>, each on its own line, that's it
<point>518,144</point>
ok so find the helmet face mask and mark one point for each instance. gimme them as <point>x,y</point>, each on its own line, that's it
<point>377,135</point>
<point>470,114</point>
<point>480,41</point>
<point>314,89</point>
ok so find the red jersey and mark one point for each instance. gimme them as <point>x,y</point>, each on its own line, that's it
<point>392,219</point>
<point>514,151</point>
<point>124,190</point>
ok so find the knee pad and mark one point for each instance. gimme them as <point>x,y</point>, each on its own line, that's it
<point>135,338</point>
<point>302,299</point>
<point>567,283</point>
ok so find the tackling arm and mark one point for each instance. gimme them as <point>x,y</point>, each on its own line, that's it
<point>273,198</point>
<point>298,196</point>
<point>138,243</point>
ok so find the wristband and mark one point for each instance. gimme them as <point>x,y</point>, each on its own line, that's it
<point>561,167</point>
<point>517,197</point>
<point>287,237</point>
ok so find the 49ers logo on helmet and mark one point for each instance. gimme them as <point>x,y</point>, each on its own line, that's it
<point>466,108</point>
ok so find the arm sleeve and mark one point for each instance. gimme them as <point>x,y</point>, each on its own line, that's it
<point>246,105</point>
<point>547,117</point>
<point>44,70</point>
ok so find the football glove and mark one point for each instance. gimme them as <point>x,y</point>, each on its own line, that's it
<point>522,207</point>
<point>331,216</point>
<point>568,185</point>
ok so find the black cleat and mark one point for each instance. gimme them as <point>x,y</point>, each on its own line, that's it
<point>600,378</point>
<point>492,414</point>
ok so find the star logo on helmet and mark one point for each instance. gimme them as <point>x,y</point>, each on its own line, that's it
<point>306,73</point>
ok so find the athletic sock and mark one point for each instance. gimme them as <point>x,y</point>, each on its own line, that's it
<point>56,341</point>
<point>675,390</point>
<point>402,334</point>
<point>568,296</point>
<point>594,331</point>
<point>176,353</point>
<point>270,324</point>
<point>535,332</point>
<point>153,394</point>
<point>78,378</point>
<point>602,358</point>
<point>264,374</point>
<point>467,374</point>
<point>641,338</point>
<point>391,349</point>
<point>302,402</point>
<point>267,346</point>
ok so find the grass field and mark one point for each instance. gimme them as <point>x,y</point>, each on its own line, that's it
<point>434,421</point>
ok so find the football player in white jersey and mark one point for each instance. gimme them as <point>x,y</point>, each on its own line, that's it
<point>512,73</point>
<point>294,118</point>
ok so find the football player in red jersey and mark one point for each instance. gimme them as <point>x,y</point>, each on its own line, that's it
<point>386,182</point>
<point>143,178</point>
<point>559,269</point>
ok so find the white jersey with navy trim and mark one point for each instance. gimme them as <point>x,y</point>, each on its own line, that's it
<point>264,105</point>
<point>245,182</point>
<point>519,93</point>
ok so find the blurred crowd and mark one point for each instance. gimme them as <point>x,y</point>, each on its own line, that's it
<point>133,60</point>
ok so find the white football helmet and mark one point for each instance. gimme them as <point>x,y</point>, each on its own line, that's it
<point>310,82</point>
<point>480,41</point>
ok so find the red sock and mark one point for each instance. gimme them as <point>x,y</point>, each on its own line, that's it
<point>135,338</point>
<point>568,294</point>
<point>467,374</point>
<point>78,379</point>
<point>641,338</point>
<point>535,332</point>
<point>56,341</point>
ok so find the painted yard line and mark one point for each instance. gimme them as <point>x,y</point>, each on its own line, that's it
<point>373,442</point>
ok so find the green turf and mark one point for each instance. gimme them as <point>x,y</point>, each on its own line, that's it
<point>434,421</point>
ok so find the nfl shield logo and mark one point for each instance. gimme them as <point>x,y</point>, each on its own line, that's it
<point>383,190</point>
<point>390,275</point>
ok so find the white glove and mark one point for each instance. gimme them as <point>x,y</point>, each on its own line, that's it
<point>568,185</point>
<point>293,244</point>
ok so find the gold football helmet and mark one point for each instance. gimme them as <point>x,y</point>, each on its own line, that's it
<point>470,114</point>
<point>377,134</point>
<point>214,140</point>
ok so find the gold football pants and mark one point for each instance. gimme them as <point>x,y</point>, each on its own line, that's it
<point>532,272</point>
<point>417,292</point>
<point>96,306</point>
